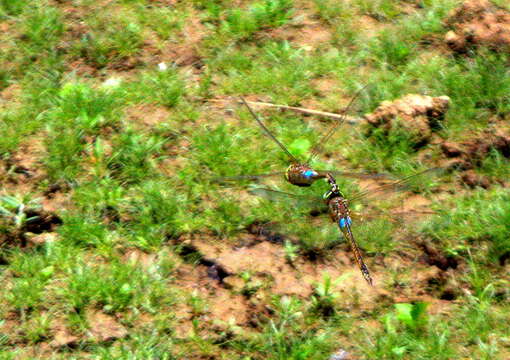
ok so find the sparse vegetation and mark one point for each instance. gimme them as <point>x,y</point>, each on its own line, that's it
<point>117,240</point>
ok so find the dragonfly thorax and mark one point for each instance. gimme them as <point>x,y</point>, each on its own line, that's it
<point>301,175</point>
<point>338,209</point>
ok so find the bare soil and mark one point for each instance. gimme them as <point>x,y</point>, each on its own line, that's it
<point>478,23</point>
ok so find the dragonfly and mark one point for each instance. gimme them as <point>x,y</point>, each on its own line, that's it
<point>301,173</point>
<point>338,207</point>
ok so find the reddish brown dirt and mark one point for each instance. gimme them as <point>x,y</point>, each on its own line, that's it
<point>184,51</point>
<point>147,115</point>
<point>221,306</point>
<point>24,166</point>
<point>304,30</point>
<point>478,23</point>
<point>62,336</point>
<point>234,297</point>
<point>308,35</point>
<point>470,153</point>
<point>104,328</point>
<point>417,114</point>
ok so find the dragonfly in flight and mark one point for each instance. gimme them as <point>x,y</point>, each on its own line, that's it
<point>338,206</point>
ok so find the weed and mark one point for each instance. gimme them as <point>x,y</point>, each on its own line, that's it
<point>291,251</point>
<point>110,39</point>
<point>331,11</point>
<point>11,8</point>
<point>481,216</point>
<point>81,111</point>
<point>43,29</point>
<point>324,297</point>
<point>135,156</point>
<point>113,288</point>
<point>163,87</point>
<point>266,13</point>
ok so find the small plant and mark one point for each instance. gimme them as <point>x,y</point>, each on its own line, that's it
<point>13,212</point>
<point>111,39</point>
<point>323,300</point>
<point>268,13</point>
<point>135,156</point>
<point>43,27</point>
<point>197,303</point>
<point>331,10</point>
<point>414,316</point>
<point>164,87</point>
<point>291,251</point>
<point>250,285</point>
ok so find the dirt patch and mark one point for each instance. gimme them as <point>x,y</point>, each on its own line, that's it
<point>185,50</point>
<point>104,328</point>
<point>220,305</point>
<point>147,115</point>
<point>62,335</point>
<point>24,166</point>
<point>308,35</point>
<point>434,257</point>
<point>418,115</point>
<point>470,153</point>
<point>10,94</point>
<point>261,268</point>
<point>478,23</point>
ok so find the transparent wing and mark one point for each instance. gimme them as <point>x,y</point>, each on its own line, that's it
<point>276,195</point>
<point>227,179</point>
<point>400,185</point>
<point>269,133</point>
<point>323,140</point>
<point>357,253</point>
<point>356,175</point>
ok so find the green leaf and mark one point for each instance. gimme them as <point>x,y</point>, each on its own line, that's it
<point>47,271</point>
<point>404,313</point>
<point>125,289</point>
<point>419,311</point>
<point>399,351</point>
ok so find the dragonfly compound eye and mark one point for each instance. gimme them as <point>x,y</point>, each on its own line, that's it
<point>308,173</point>
<point>343,222</point>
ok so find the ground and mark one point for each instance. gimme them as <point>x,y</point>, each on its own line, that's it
<point>123,235</point>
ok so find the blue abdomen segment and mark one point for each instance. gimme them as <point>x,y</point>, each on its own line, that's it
<point>343,222</point>
<point>308,173</point>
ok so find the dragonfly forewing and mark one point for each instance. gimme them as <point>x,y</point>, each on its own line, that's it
<point>396,186</point>
<point>228,179</point>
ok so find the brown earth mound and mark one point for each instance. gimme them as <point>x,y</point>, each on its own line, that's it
<point>417,115</point>
<point>472,152</point>
<point>478,23</point>
<point>468,154</point>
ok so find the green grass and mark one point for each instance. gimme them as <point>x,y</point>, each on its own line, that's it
<point>75,79</point>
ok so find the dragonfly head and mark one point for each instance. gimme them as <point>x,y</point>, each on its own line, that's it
<point>343,222</point>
